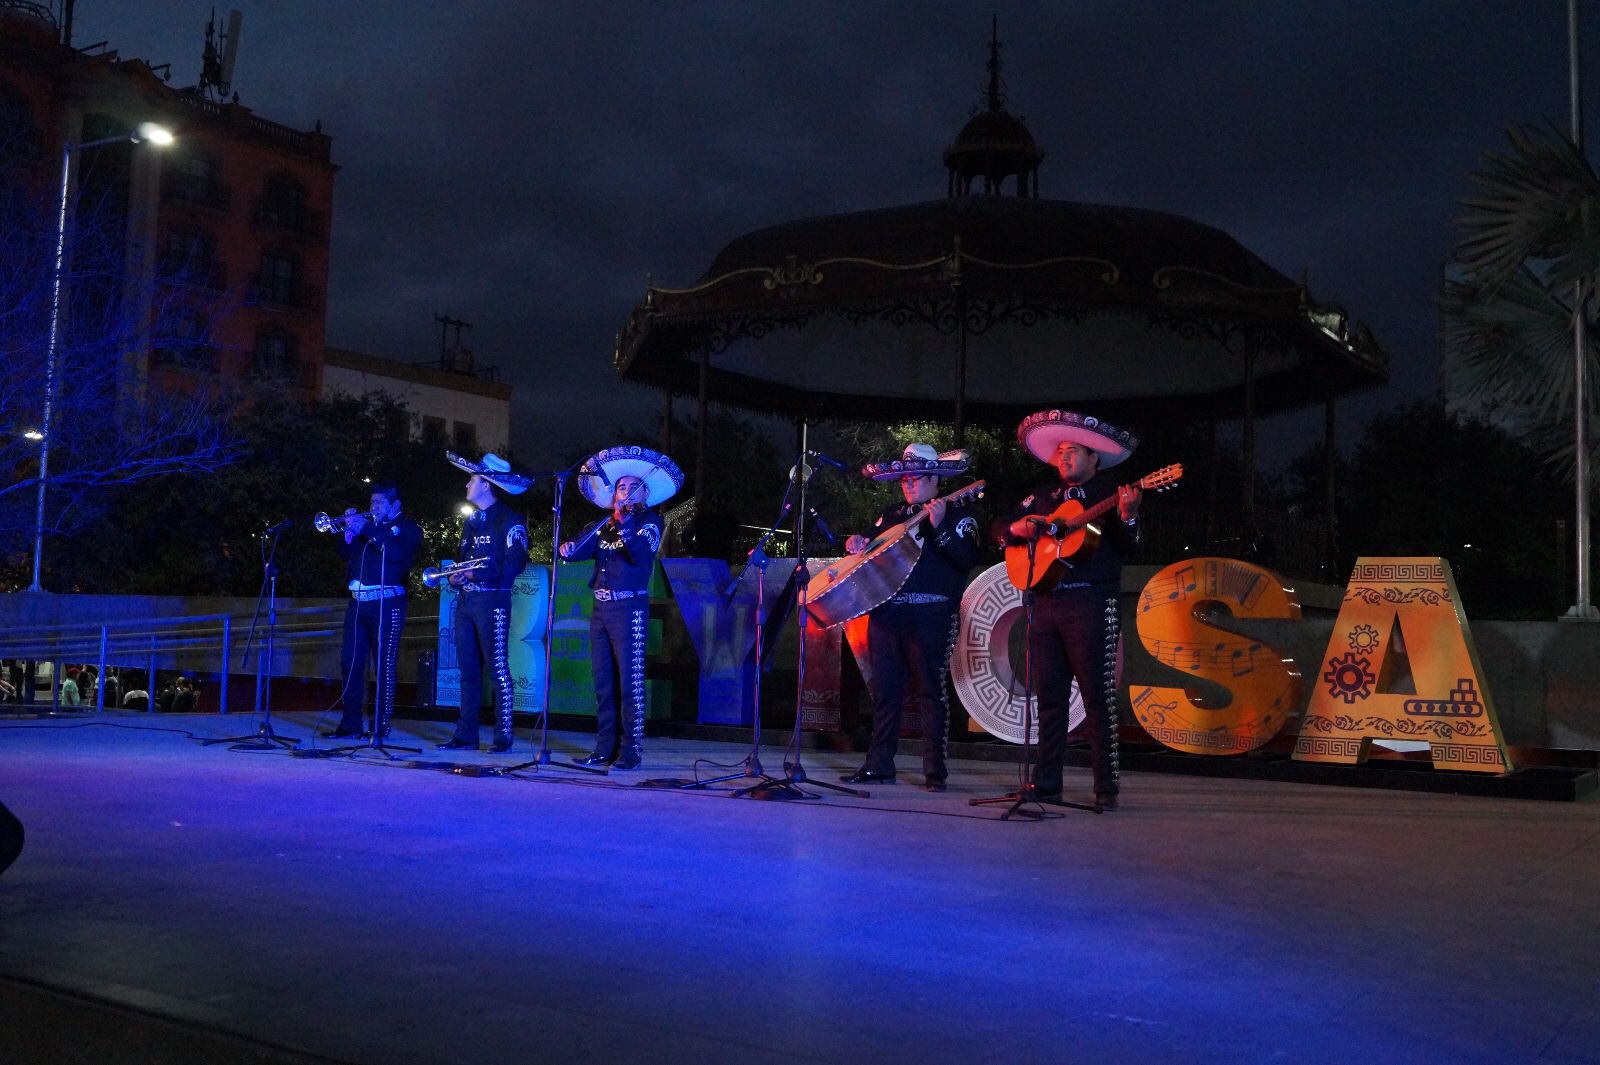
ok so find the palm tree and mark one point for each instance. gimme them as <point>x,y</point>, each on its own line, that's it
<point>1530,240</point>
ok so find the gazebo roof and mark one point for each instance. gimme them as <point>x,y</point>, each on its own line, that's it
<point>1127,308</point>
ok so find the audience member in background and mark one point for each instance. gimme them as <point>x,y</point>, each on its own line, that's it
<point>69,689</point>
<point>164,698</point>
<point>113,687</point>
<point>8,693</point>
<point>137,699</point>
<point>183,702</point>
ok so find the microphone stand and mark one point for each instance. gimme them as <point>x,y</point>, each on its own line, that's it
<point>1025,795</point>
<point>264,738</point>
<point>751,766</point>
<point>794,773</point>
<point>541,757</point>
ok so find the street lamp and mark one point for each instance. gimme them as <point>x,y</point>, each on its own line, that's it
<point>144,133</point>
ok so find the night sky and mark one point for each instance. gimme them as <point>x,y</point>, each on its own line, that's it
<point>525,166</point>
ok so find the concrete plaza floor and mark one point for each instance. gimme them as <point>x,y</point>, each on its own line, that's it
<point>183,903</point>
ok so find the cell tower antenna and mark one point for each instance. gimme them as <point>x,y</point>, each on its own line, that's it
<point>230,52</point>
<point>216,63</point>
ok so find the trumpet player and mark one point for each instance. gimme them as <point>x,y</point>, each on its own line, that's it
<point>496,534</point>
<point>379,549</point>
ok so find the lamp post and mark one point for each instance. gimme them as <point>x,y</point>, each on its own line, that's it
<point>145,132</point>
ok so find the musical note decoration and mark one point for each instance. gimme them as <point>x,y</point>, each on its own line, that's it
<point>1263,684</point>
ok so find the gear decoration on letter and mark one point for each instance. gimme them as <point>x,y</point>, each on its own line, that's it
<point>1349,676</point>
<point>1364,638</point>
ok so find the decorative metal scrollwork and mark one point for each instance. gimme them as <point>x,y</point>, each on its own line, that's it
<point>792,272</point>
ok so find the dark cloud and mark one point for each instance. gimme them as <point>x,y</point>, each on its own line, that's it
<point>526,166</point>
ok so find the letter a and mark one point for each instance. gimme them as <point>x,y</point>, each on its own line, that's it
<point>1450,708</point>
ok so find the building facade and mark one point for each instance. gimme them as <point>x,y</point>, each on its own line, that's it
<point>466,410</point>
<point>227,229</point>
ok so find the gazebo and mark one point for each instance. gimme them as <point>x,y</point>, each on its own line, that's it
<point>984,305</point>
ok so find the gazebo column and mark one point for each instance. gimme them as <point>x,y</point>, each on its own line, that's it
<point>666,425</point>
<point>1247,494</point>
<point>1211,486</point>
<point>1331,561</point>
<point>700,432</point>
<point>961,366</point>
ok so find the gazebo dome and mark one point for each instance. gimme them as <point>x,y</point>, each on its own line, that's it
<point>994,144</point>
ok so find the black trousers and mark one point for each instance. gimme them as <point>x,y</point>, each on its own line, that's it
<point>1076,636</point>
<point>482,632</point>
<point>617,632</point>
<point>908,651</point>
<point>371,629</point>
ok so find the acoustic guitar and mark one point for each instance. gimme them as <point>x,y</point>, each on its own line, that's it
<point>1071,534</point>
<point>858,583</point>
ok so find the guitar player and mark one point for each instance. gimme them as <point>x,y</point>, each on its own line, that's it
<point>1076,619</point>
<point>909,637</point>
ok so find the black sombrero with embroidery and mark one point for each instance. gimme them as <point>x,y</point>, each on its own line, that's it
<point>919,460</point>
<point>1041,433</point>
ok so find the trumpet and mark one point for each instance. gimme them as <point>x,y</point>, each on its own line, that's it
<point>434,574</point>
<point>322,522</point>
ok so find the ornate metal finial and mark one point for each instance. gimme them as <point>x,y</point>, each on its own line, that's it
<point>997,92</point>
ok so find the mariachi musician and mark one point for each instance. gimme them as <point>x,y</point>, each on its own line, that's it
<point>631,482</point>
<point>379,549</point>
<point>909,637</point>
<point>497,535</point>
<point>1076,628</point>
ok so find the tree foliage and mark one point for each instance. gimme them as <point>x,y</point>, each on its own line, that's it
<point>198,536</point>
<point>88,343</point>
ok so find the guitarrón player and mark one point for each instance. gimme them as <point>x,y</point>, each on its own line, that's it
<point>910,636</point>
<point>1076,622</point>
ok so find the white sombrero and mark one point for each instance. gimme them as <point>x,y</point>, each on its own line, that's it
<point>660,475</point>
<point>1040,434</point>
<point>919,459</point>
<point>494,469</point>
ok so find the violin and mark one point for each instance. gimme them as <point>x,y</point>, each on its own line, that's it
<point>612,527</point>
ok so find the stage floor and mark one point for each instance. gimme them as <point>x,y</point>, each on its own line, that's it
<point>287,909</point>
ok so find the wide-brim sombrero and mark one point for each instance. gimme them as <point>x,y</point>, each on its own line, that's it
<point>494,469</point>
<point>920,459</point>
<point>660,475</point>
<point>1041,433</point>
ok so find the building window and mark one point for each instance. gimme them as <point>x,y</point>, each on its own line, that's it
<point>183,340</point>
<point>464,437</point>
<point>189,252</point>
<point>283,204</point>
<point>274,356</point>
<point>194,178</point>
<point>275,284</point>
<point>18,136</point>
<point>433,429</point>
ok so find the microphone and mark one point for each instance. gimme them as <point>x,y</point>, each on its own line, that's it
<point>800,471</point>
<point>822,526</point>
<point>597,471</point>
<point>827,460</point>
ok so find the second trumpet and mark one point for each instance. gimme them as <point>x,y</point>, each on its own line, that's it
<point>434,574</point>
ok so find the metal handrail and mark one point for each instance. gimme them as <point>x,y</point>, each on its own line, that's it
<point>70,640</point>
